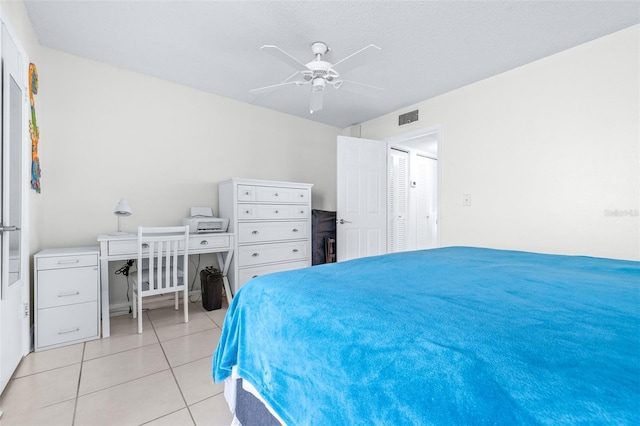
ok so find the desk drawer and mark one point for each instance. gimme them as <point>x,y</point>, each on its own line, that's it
<point>57,287</point>
<point>202,242</point>
<point>258,232</point>
<point>267,253</point>
<point>62,262</point>
<point>246,274</point>
<point>196,243</point>
<point>67,323</point>
<point>123,247</point>
<point>271,211</point>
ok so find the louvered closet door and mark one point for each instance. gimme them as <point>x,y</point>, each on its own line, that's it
<point>398,202</point>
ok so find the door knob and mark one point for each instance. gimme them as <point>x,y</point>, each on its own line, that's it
<point>342,221</point>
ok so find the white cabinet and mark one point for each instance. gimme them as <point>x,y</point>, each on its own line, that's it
<point>272,221</point>
<point>66,287</point>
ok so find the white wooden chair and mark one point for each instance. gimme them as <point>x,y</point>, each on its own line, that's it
<point>160,269</point>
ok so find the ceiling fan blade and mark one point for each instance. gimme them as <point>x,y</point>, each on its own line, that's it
<point>316,100</point>
<point>276,86</point>
<point>284,56</point>
<point>356,59</point>
<point>358,88</point>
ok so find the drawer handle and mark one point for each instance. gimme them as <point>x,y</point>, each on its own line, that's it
<point>67,262</point>
<point>145,245</point>
<point>204,242</point>
<point>246,193</point>
<point>255,276</point>
<point>301,211</point>
<point>301,195</point>
<point>246,212</point>
<point>71,330</point>
<point>295,250</point>
<point>70,293</point>
<point>276,194</point>
<point>294,230</point>
<point>255,233</point>
<point>255,255</point>
<point>276,211</point>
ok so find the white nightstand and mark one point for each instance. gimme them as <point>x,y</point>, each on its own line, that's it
<point>67,297</point>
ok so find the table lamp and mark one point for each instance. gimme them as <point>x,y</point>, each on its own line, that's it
<point>122,209</point>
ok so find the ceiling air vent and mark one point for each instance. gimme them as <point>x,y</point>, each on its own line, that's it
<point>407,118</point>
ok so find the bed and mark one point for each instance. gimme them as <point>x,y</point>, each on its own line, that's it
<point>455,335</point>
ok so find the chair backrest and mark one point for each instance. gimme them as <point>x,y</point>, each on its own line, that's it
<point>162,259</point>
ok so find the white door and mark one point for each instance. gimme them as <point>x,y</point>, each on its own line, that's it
<point>14,316</point>
<point>362,198</point>
<point>427,202</point>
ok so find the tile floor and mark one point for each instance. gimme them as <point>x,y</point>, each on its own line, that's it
<point>159,377</point>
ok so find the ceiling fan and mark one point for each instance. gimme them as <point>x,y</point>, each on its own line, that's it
<point>319,73</point>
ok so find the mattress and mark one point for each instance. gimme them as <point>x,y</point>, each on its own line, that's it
<point>457,335</point>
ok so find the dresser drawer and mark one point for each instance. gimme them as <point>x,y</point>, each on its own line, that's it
<point>271,211</point>
<point>67,323</point>
<point>267,253</point>
<point>206,242</point>
<point>246,274</point>
<point>57,287</point>
<point>61,262</point>
<point>281,195</point>
<point>257,232</point>
<point>246,193</point>
<point>272,194</point>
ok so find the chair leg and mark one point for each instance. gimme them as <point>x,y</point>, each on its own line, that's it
<point>186,304</point>
<point>139,302</point>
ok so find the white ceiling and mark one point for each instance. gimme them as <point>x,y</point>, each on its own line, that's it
<point>428,47</point>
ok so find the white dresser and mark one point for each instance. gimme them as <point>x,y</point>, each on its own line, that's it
<point>272,223</point>
<point>66,284</point>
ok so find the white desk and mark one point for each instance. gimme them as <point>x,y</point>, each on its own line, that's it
<point>125,246</point>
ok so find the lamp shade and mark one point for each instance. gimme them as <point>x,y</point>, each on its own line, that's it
<point>122,209</point>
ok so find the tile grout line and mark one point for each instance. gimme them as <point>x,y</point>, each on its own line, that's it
<point>75,405</point>
<point>173,374</point>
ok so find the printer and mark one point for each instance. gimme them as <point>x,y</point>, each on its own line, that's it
<point>201,221</point>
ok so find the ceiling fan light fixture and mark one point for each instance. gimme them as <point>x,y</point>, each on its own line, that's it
<point>318,84</point>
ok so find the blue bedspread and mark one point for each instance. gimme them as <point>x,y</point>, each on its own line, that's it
<point>454,335</point>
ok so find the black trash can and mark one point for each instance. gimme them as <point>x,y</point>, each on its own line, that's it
<point>211,286</point>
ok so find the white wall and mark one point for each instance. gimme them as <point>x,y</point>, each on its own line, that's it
<point>107,133</point>
<point>547,151</point>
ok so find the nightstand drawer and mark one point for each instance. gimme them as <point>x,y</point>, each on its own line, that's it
<point>279,252</point>
<point>67,323</point>
<point>59,287</point>
<point>257,232</point>
<point>63,262</point>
